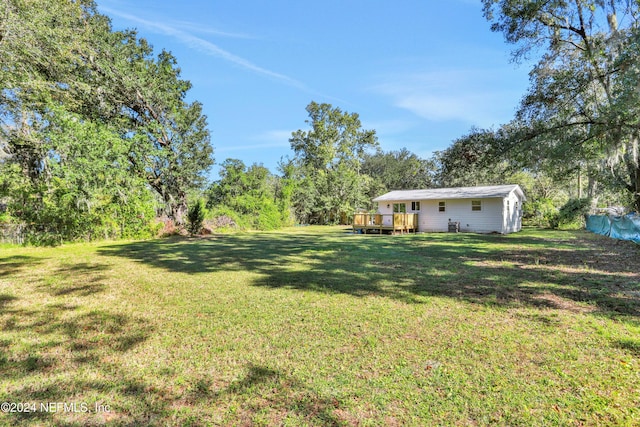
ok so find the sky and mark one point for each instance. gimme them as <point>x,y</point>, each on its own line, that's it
<point>421,73</point>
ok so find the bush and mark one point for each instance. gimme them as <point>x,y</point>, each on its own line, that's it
<point>540,212</point>
<point>225,218</point>
<point>572,214</point>
<point>195,217</point>
<point>269,217</point>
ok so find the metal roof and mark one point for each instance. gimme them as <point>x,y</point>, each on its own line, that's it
<point>492,191</point>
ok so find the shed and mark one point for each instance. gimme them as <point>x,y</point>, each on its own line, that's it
<point>487,209</point>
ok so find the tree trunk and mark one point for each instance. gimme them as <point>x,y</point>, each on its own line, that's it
<point>636,195</point>
<point>179,208</point>
<point>592,190</point>
<point>179,212</point>
<point>579,183</point>
<point>175,205</point>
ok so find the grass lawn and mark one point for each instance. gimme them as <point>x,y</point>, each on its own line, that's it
<point>318,326</point>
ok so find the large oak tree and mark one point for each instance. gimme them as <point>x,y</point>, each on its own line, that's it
<point>581,110</point>
<point>74,89</point>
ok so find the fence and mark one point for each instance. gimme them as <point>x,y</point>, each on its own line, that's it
<point>13,233</point>
<point>625,227</point>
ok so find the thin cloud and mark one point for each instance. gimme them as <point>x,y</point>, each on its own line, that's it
<point>459,95</point>
<point>201,29</point>
<point>267,139</point>
<point>206,46</point>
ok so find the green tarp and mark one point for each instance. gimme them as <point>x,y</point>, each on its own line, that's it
<point>617,227</point>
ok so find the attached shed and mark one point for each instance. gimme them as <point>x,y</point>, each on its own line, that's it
<point>489,209</point>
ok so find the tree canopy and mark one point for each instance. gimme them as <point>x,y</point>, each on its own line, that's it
<point>398,170</point>
<point>252,196</point>
<point>90,120</point>
<point>581,110</point>
<point>329,157</point>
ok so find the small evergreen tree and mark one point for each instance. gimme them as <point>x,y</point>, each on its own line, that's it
<point>196,216</point>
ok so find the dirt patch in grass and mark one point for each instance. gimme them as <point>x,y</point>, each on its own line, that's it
<point>557,302</point>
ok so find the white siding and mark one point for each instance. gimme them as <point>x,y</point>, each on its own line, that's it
<point>383,209</point>
<point>487,220</point>
<point>512,214</point>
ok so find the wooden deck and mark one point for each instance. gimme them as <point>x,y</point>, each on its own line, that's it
<point>380,223</point>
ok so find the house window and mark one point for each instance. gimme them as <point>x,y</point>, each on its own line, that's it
<point>442,206</point>
<point>476,205</point>
<point>415,206</point>
<point>399,208</point>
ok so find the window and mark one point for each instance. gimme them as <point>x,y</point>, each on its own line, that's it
<point>399,208</point>
<point>476,205</point>
<point>415,206</point>
<point>442,206</point>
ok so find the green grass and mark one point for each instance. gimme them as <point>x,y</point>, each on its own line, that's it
<point>317,326</point>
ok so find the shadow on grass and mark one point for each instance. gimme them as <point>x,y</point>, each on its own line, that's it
<point>81,279</point>
<point>630,344</point>
<point>68,352</point>
<point>271,395</point>
<point>16,263</point>
<point>572,271</point>
<point>62,350</point>
<point>5,299</point>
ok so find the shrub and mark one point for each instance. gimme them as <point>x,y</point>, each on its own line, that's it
<point>540,212</point>
<point>269,217</point>
<point>224,218</point>
<point>572,214</point>
<point>195,217</point>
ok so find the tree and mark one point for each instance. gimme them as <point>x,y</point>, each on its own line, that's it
<point>330,157</point>
<point>259,197</point>
<point>144,97</point>
<point>230,186</point>
<point>90,120</point>
<point>38,51</point>
<point>580,112</point>
<point>285,189</point>
<point>398,170</point>
<point>60,172</point>
<point>471,160</point>
<point>195,217</point>
<point>80,189</point>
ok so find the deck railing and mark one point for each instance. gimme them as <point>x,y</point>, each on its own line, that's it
<point>386,222</point>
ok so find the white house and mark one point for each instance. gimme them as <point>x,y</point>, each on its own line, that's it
<point>496,208</point>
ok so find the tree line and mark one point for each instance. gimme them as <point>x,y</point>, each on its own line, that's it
<point>338,167</point>
<point>97,138</point>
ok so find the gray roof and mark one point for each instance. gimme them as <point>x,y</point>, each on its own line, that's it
<point>487,192</point>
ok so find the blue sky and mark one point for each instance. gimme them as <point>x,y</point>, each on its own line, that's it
<point>421,73</point>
